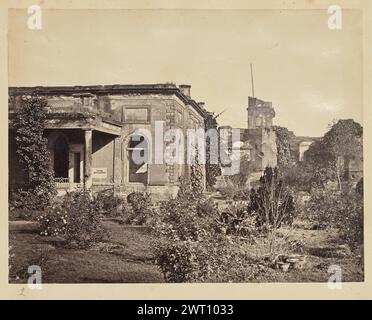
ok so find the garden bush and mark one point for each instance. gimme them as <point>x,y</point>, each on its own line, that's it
<point>76,220</point>
<point>206,207</point>
<point>342,210</point>
<point>321,210</point>
<point>192,245</point>
<point>211,259</point>
<point>235,220</point>
<point>179,219</point>
<point>138,211</point>
<point>107,202</point>
<point>183,231</point>
<point>273,206</point>
<point>142,209</point>
<point>272,202</point>
<point>125,212</point>
<point>178,260</point>
<point>230,190</point>
<point>351,222</point>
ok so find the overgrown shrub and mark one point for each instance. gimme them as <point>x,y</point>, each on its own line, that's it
<point>321,210</point>
<point>29,124</point>
<point>272,202</point>
<point>195,242</point>
<point>206,207</point>
<point>197,261</point>
<point>273,206</point>
<point>125,212</point>
<point>329,208</point>
<point>107,202</point>
<point>76,219</point>
<point>235,220</point>
<point>351,221</point>
<point>179,219</point>
<point>191,245</point>
<point>230,190</point>
<point>178,260</point>
<point>212,259</point>
<point>141,206</point>
<point>183,229</point>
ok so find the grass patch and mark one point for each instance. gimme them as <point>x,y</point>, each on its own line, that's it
<point>127,257</point>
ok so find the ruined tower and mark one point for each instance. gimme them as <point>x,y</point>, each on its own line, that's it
<point>260,136</point>
<point>260,113</point>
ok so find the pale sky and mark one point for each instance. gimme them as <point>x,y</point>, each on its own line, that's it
<point>311,74</point>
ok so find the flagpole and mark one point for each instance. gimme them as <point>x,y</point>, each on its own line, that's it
<point>252,80</point>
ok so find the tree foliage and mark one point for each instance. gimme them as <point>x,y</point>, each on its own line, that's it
<point>342,210</point>
<point>327,159</point>
<point>330,156</point>
<point>29,122</point>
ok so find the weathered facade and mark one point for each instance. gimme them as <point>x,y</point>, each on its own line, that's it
<point>90,135</point>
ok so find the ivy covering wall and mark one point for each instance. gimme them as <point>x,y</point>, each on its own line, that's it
<point>31,146</point>
<point>285,156</point>
<point>212,171</point>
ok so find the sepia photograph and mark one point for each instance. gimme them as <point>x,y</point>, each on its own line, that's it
<point>181,145</point>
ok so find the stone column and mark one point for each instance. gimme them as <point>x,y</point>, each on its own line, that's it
<point>87,159</point>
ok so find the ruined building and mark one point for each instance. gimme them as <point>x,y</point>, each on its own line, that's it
<point>258,142</point>
<point>90,135</point>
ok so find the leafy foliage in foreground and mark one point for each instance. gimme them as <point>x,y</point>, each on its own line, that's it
<point>199,242</point>
<point>76,219</point>
<point>272,202</point>
<point>340,210</point>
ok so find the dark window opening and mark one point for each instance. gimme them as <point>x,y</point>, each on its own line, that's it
<point>61,158</point>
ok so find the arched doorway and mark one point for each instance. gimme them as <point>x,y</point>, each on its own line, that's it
<point>61,158</point>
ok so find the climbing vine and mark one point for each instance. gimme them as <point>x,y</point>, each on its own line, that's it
<point>212,171</point>
<point>196,175</point>
<point>284,155</point>
<point>39,188</point>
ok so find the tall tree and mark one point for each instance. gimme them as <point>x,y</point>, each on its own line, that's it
<point>331,155</point>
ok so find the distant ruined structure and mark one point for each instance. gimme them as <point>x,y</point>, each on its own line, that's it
<point>259,140</point>
<point>91,136</point>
